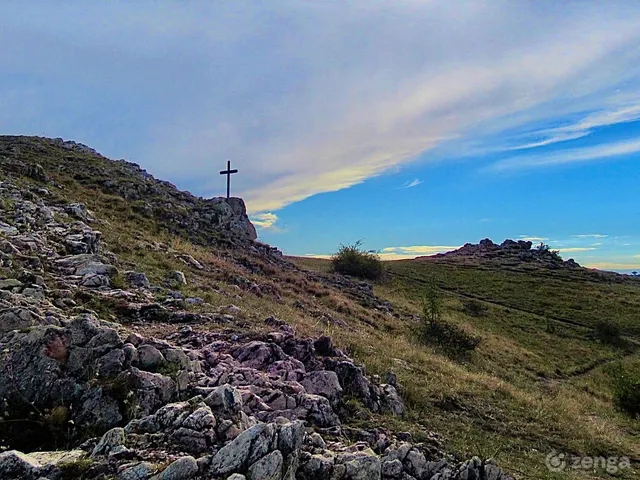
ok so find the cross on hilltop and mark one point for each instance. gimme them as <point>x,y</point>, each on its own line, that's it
<point>228,172</point>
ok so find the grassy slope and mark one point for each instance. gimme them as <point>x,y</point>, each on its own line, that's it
<point>520,396</point>
<point>526,391</point>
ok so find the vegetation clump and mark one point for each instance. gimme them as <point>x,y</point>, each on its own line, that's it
<point>626,393</point>
<point>452,339</point>
<point>608,333</point>
<point>352,260</point>
<point>474,308</point>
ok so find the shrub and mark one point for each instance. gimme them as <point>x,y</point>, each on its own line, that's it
<point>453,340</point>
<point>608,332</point>
<point>352,260</point>
<point>626,393</point>
<point>474,308</point>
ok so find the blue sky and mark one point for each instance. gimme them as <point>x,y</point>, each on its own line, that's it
<point>417,126</point>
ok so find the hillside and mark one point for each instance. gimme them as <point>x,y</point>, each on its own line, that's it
<point>145,331</point>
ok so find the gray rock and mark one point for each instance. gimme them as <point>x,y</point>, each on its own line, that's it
<point>268,467</point>
<point>182,469</point>
<point>225,401</point>
<point>245,449</point>
<point>9,283</point>
<point>392,468</point>
<point>8,230</point>
<point>318,467</point>
<point>177,356</point>
<point>176,278</point>
<point>16,465</point>
<point>141,471</point>
<point>236,476</point>
<point>109,440</point>
<point>316,441</point>
<point>390,401</point>
<point>415,463</point>
<point>17,318</point>
<point>190,440</point>
<point>353,381</point>
<point>363,468</point>
<point>323,382</point>
<point>137,279</point>
<point>92,280</point>
<point>149,357</point>
<point>151,390</point>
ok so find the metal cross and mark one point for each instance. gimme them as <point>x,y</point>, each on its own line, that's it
<point>228,172</point>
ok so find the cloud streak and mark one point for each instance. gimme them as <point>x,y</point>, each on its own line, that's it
<point>408,252</point>
<point>584,127</point>
<point>570,156</point>
<point>591,235</point>
<point>413,183</point>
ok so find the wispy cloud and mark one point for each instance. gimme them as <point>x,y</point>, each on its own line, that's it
<point>265,220</point>
<point>575,155</point>
<point>400,253</point>
<point>591,235</point>
<point>613,265</point>
<point>413,183</point>
<point>576,249</point>
<point>582,128</point>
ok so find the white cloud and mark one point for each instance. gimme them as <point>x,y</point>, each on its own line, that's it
<point>413,183</point>
<point>345,92</point>
<point>591,235</point>
<point>582,128</point>
<point>576,249</point>
<point>613,265</point>
<point>574,155</point>
<point>265,220</point>
<point>401,253</point>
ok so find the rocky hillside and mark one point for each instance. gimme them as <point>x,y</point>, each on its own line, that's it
<point>508,253</point>
<point>123,354</point>
<point>208,221</point>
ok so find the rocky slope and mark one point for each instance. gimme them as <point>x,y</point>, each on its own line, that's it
<point>508,253</point>
<point>205,399</point>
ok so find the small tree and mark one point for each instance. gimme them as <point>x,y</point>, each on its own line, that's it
<point>453,340</point>
<point>431,302</point>
<point>634,273</point>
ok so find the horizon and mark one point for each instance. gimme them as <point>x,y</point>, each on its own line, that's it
<point>417,127</point>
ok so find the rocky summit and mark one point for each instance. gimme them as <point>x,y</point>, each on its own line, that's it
<point>508,253</point>
<point>112,367</point>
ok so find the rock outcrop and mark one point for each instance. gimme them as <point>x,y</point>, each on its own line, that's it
<point>207,221</point>
<point>509,253</point>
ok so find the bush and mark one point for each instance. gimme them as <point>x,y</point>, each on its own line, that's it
<point>353,261</point>
<point>608,332</point>
<point>453,340</point>
<point>626,393</point>
<point>474,308</point>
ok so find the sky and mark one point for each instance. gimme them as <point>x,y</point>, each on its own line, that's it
<point>416,126</point>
